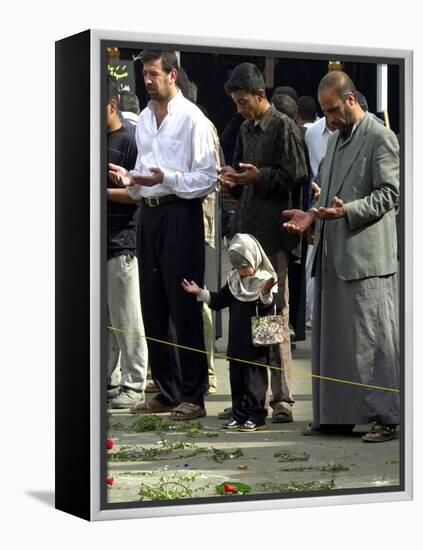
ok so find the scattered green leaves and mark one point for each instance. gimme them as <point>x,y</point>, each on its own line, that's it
<point>332,468</point>
<point>193,429</point>
<point>172,487</point>
<point>296,486</point>
<point>300,469</point>
<point>128,453</point>
<point>152,423</point>
<point>284,456</point>
<point>137,474</point>
<point>220,455</point>
<point>169,490</point>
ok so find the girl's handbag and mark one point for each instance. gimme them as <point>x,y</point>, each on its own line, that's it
<point>266,330</point>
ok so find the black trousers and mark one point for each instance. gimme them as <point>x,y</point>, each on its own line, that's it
<point>248,388</point>
<point>170,244</point>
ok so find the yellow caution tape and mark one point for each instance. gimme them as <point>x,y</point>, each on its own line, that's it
<point>222,356</point>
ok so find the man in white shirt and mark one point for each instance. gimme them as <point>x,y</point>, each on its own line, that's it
<point>175,168</point>
<point>316,138</point>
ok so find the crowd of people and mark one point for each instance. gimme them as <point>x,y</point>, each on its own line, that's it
<point>316,205</point>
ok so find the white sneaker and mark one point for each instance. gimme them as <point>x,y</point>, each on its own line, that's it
<point>127,398</point>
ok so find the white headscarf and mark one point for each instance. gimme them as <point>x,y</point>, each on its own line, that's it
<point>247,248</point>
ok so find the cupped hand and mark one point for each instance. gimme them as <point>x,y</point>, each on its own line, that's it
<point>299,221</point>
<point>120,176</point>
<point>191,287</point>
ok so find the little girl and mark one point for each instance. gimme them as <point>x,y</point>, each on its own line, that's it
<point>250,285</point>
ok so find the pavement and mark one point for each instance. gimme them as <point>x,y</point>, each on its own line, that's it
<point>188,460</point>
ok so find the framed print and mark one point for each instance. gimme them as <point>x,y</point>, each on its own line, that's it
<point>175,158</point>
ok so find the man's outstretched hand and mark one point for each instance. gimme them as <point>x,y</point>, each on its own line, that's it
<point>336,210</point>
<point>123,178</point>
<point>120,176</point>
<point>229,177</point>
<point>299,221</point>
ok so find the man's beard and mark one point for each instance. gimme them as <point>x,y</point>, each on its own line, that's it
<point>152,92</point>
<point>349,123</point>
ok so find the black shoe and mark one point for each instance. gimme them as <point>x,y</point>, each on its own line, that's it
<point>251,426</point>
<point>231,425</point>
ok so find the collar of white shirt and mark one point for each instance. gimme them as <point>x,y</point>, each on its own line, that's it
<point>172,105</point>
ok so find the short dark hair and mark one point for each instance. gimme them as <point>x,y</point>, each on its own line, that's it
<point>168,59</point>
<point>285,104</point>
<point>362,101</point>
<point>306,108</point>
<point>245,76</point>
<point>128,101</point>
<point>287,90</point>
<point>112,89</point>
<point>341,82</point>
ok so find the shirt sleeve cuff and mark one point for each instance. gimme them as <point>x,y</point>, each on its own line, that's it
<point>134,191</point>
<point>346,212</point>
<point>204,296</point>
<point>168,180</point>
<point>266,298</point>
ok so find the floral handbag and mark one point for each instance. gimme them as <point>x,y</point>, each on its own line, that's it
<point>266,330</point>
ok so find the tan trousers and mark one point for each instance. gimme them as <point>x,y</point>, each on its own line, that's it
<point>280,354</point>
<point>209,343</point>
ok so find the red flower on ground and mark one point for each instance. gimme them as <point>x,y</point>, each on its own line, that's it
<point>228,488</point>
<point>110,480</point>
<point>109,443</point>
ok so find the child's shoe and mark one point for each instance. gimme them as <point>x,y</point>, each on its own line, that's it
<point>251,426</point>
<point>232,425</point>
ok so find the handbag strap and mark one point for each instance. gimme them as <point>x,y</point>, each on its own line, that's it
<point>257,303</point>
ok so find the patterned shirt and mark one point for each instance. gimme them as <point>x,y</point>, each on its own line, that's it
<point>273,145</point>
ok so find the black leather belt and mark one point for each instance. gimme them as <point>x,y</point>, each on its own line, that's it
<point>158,201</point>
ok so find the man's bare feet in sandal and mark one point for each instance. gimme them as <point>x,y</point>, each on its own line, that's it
<point>151,407</point>
<point>187,411</point>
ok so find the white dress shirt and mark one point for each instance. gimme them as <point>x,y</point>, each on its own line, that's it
<point>182,147</point>
<point>316,138</point>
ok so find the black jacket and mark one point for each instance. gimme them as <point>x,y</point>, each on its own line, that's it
<point>240,344</point>
<point>121,218</point>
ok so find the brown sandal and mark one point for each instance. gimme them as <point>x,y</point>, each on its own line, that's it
<point>152,407</point>
<point>187,411</point>
<point>281,415</point>
<point>379,433</point>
